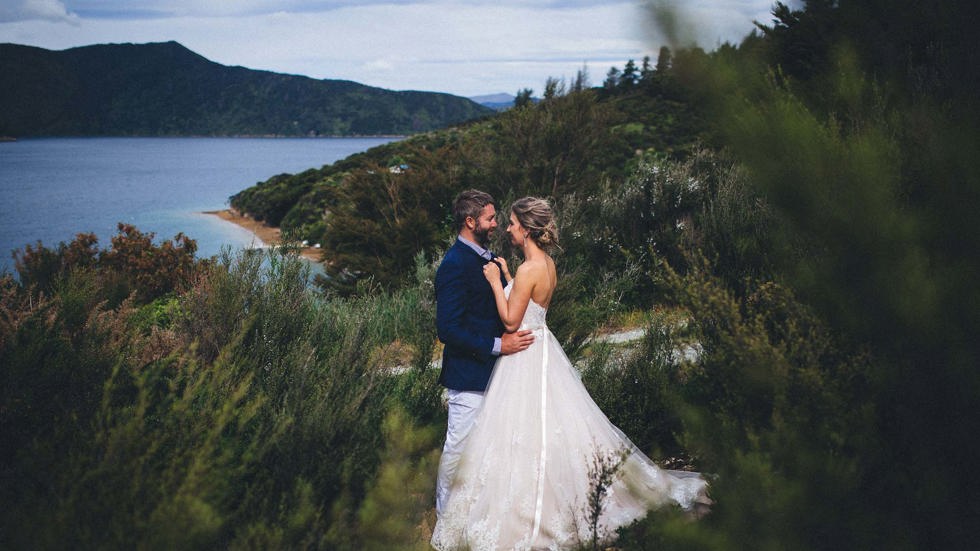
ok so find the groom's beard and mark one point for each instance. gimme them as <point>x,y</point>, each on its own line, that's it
<point>482,236</point>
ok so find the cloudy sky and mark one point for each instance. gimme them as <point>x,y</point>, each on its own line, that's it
<point>464,47</point>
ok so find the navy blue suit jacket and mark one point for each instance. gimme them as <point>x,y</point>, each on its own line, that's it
<point>466,319</point>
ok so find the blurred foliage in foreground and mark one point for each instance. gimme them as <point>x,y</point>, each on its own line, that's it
<point>838,403</point>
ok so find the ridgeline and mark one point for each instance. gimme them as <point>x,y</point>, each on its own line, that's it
<point>164,89</point>
<point>369,208</point>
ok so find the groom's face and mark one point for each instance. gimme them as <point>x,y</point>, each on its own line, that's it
<point>485,224</point>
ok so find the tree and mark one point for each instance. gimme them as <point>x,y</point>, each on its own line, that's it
<point>646,70</point>
<point>554,87</point>
<point>629,76</point>
<point>551,148</point>
<point>523,98</point>
<point>612,79</point>
<point>846,385</point>
<point>384,219</point>
<point>664,61</point>
<point>581,81</point>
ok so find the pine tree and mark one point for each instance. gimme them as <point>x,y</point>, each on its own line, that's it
<point>629,76</point>
<point>523,98</point>
<point>612,79</point>
<point>664,61</point>
<point>581,81</point>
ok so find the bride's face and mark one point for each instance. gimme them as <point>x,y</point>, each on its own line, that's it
<point>516,231</point>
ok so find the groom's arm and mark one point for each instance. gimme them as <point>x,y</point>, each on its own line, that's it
<point>451,323</point>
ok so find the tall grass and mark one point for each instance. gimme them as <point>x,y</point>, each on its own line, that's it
<point>241,408</point>
<point>248,414</point>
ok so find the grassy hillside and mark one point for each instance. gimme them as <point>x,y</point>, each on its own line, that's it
<point>396,197</point>
<point>164,89</point>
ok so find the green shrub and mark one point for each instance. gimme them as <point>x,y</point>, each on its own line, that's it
<point>245,411</point>
<point>635,386</point>
<point>776,412</point>
<point>133,263</point>
<point>398,504</point>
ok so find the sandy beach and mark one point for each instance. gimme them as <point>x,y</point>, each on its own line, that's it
<point>268,235</point>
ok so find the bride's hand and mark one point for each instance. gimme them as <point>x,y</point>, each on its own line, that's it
<point>503,267</point>
<point>492,272</point>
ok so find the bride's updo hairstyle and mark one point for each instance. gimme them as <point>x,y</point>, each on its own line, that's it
<point>538,219</point>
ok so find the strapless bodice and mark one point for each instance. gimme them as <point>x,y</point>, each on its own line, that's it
<point>534,316</point>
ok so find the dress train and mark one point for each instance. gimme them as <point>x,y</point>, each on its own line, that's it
<point>524,478</point>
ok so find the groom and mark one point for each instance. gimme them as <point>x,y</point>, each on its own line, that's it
<point>468,324</point>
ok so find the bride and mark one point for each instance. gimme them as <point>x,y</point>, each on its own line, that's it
<point>524,478</point>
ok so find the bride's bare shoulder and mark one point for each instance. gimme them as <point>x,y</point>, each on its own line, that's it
<point>543,268</point>
<point>539,276</point>
<point>533,268</point>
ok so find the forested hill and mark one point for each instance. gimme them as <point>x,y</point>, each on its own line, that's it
<point>164,89</point>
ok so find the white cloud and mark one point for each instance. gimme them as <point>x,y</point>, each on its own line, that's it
<point>27,10</point>
<point>195,8</point>
<point>379,66</point>
<point>466,47</point>
<point>423,46</point>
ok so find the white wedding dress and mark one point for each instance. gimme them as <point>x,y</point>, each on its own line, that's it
<point>523,481</point>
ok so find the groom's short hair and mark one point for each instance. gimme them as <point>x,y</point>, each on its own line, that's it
<point>469,204</point>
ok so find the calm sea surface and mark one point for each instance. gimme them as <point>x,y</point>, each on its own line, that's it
<point>52,189</point>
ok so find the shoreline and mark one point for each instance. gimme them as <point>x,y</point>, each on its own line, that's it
<point>267,235</point>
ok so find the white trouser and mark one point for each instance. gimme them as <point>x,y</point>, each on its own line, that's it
<point>463,407</point>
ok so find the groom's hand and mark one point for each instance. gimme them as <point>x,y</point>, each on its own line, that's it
<point>515,342</point>
<point>491,271</point>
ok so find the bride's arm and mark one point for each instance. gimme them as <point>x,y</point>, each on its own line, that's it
<point>511,311</point>
<point>503,267</point>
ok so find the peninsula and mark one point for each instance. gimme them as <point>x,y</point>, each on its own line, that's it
<point>266,234</point>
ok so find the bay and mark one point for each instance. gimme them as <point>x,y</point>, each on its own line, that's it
<point>54,188</point>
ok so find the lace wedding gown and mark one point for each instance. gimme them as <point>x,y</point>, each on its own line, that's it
<point>524,476</point>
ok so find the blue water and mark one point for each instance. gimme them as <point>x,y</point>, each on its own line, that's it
<point>52,189</point>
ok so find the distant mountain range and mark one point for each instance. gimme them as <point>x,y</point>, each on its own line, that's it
<point>497,102</point>
<point>164,89</point>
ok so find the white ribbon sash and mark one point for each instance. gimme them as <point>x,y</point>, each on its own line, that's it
<point>544,438</point>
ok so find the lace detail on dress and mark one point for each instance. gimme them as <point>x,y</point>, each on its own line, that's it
<point>534,316</point>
